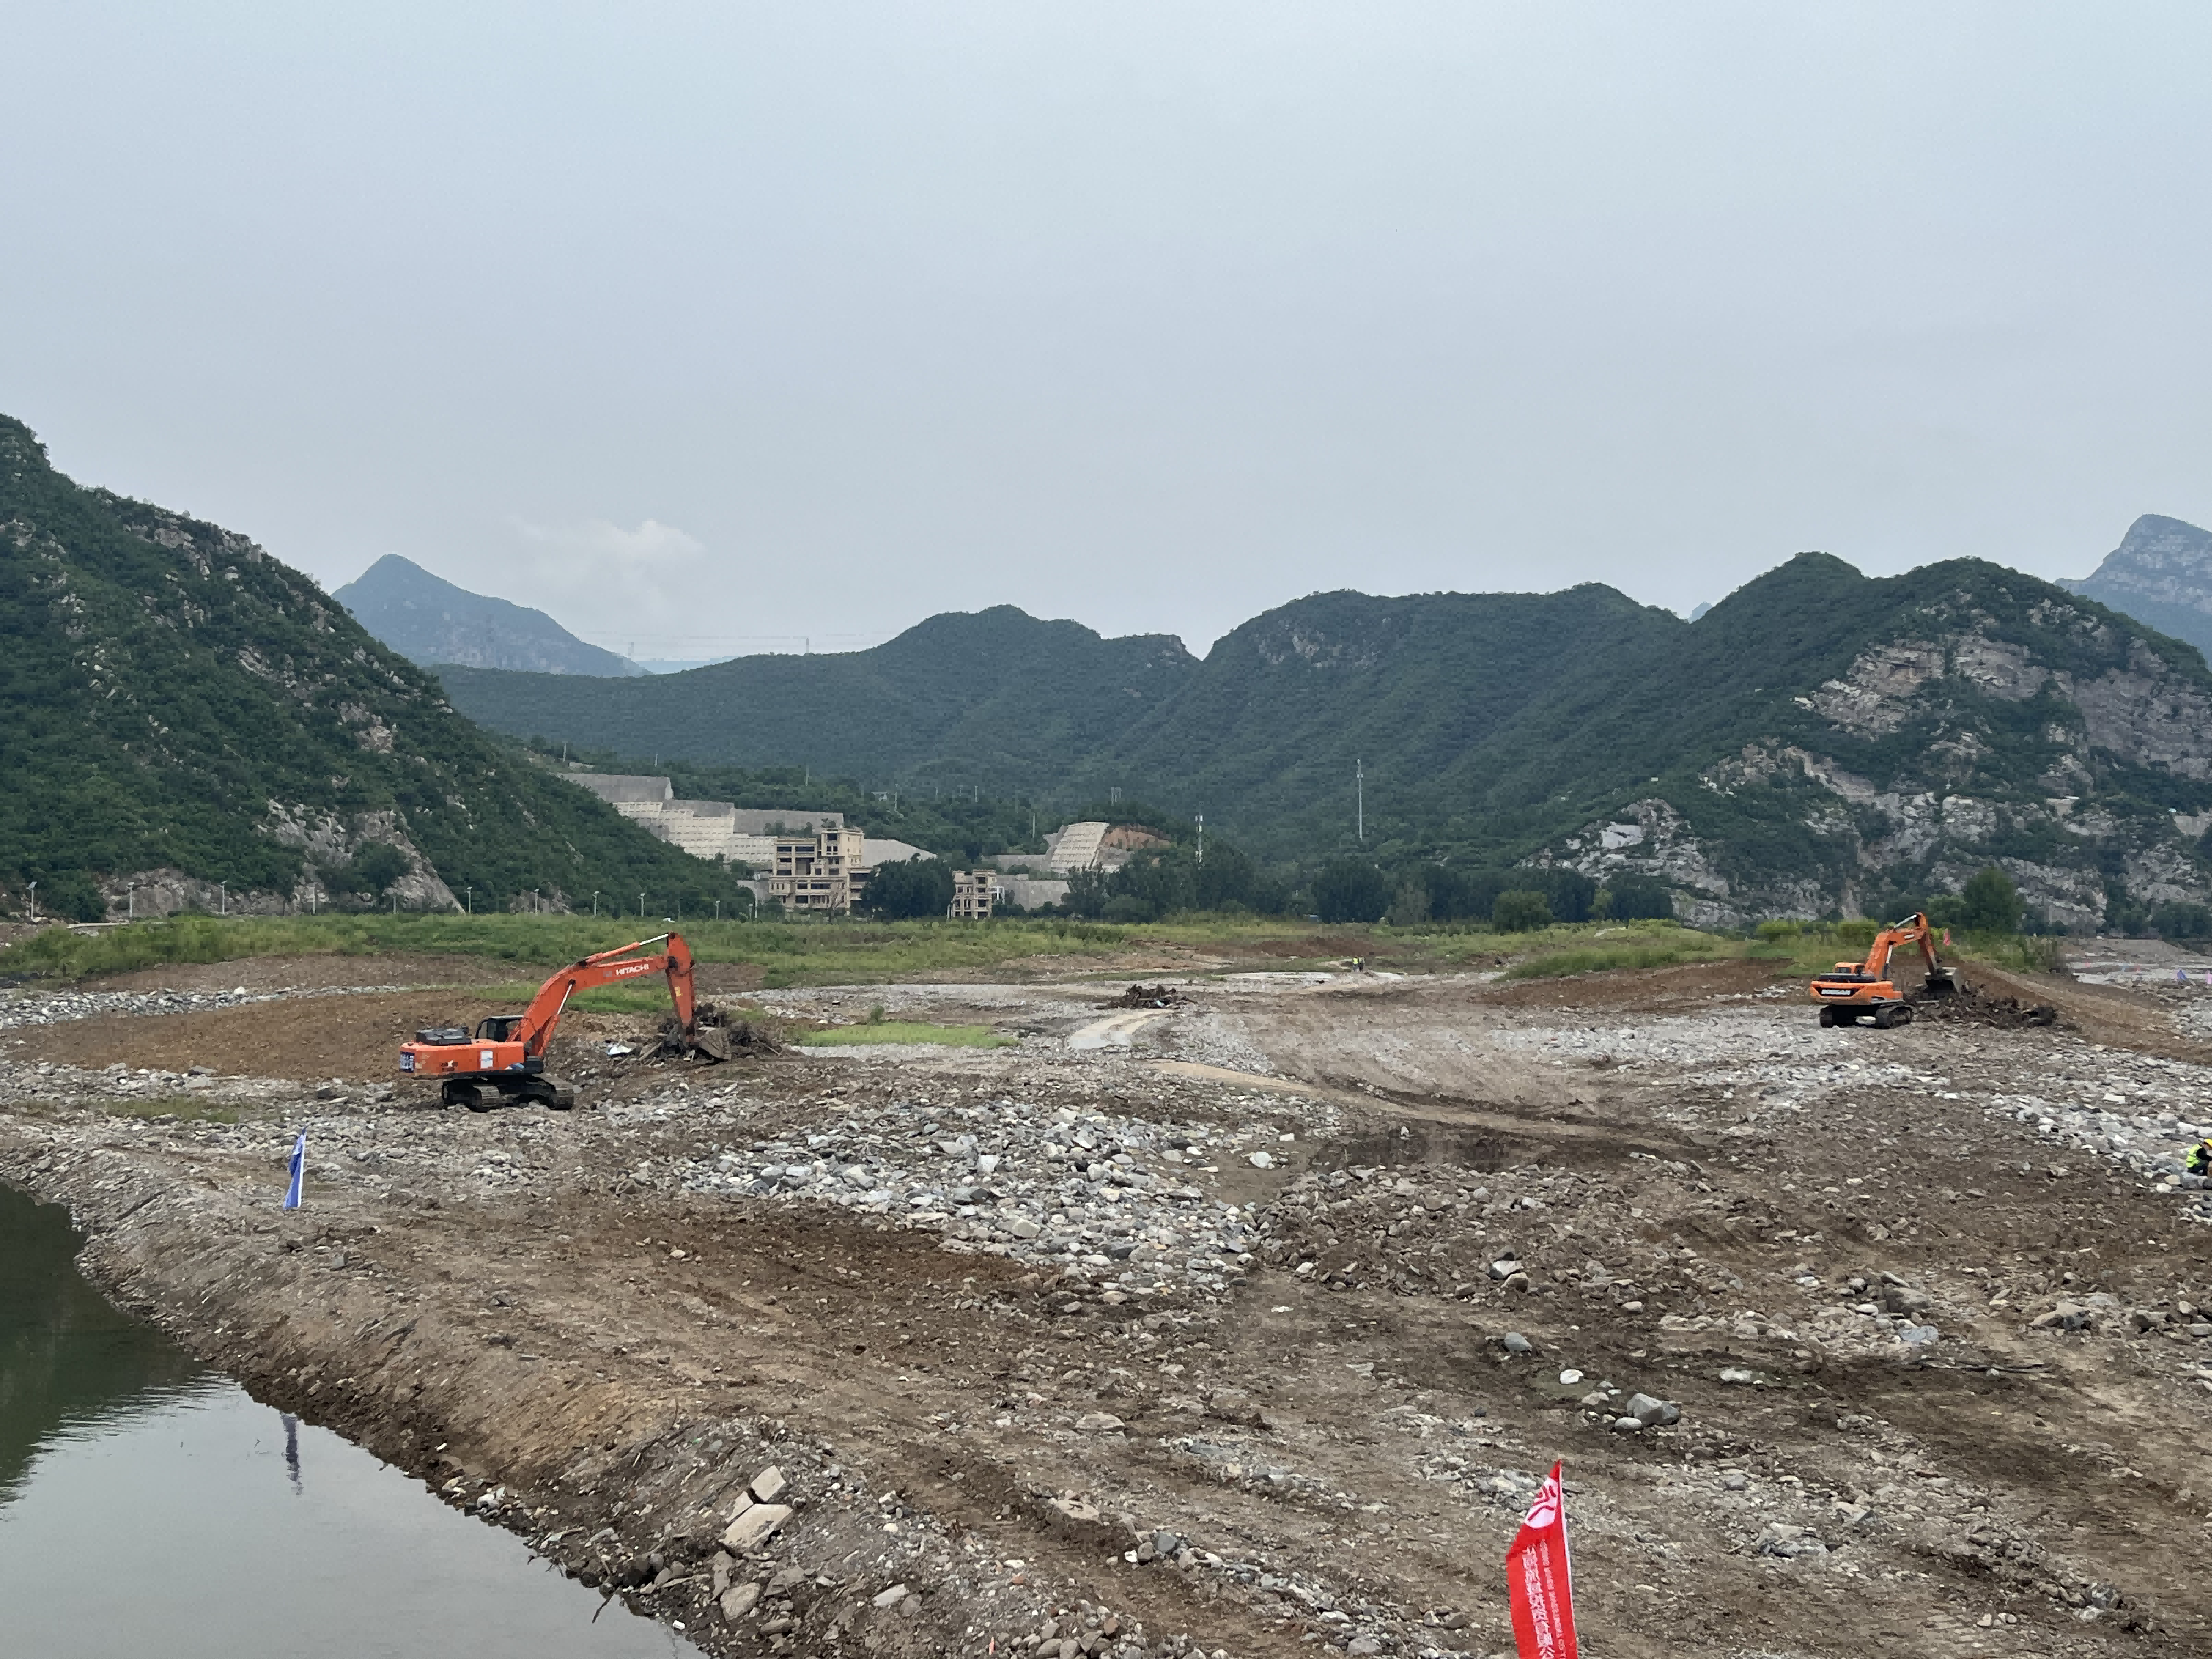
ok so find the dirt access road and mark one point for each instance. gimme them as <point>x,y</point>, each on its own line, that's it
<point>1247,1326</point>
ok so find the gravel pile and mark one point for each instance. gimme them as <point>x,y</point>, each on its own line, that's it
<point>54,1007</point>
<point>1121,1200</point>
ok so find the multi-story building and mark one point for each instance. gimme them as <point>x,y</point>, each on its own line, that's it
<point>972,893</point>
<point>825,872</point>
<point>704,828</point>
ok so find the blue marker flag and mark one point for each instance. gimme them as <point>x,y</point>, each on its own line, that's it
<point>299,1171</point>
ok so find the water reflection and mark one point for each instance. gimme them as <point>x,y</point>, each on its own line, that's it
<point>148,1505</point>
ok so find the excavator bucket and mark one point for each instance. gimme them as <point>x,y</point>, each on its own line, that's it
<point>1942,983</point>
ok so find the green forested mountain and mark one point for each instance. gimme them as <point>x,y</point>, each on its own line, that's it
<point>1820,740</point>
<point>997,699</point>
<point>177,706</point>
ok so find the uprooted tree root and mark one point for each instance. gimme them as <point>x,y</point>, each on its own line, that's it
<point>713,1037</point>
<point>1149,996</point>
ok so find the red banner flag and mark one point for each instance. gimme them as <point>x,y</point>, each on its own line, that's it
<point>1540,1578</point>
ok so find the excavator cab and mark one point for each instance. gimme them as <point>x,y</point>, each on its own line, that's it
<point>498,1027</point>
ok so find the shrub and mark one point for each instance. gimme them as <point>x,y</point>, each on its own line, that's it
<point>1521,912</point>
<point>1350,889</point>
<point>911,888</point>
<point>1639,898</point>
<point>1991,904</point>
<point>2176,920</point>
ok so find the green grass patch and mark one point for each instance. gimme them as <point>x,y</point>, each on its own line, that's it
<point>902,1031</point>
<point>183,1107</point>
<point>1605,958</point>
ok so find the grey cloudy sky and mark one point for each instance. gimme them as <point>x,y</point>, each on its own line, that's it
<point>1151,315</point>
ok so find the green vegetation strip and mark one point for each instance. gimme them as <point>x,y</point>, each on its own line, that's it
<point>900,1030</point>
<point>801,953</point>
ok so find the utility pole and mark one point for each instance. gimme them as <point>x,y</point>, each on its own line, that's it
<point>34,901</point>
<point>718,910</point>
<point>595,903</point>
<point>1201,840</point>
<point>641,907</point>
<point>1360,798</point>
<point>130,901</point>
<point>469,904</point>
<point>222,898</point>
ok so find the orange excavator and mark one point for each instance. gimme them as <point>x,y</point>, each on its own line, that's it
<point>1857,989</point>
<point>507,1054</point>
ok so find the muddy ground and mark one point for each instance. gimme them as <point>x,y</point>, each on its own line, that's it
<point>1246,1325</point>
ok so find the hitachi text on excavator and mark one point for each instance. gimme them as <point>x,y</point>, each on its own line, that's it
<point>506,1054</point>
<point>1858,988</point>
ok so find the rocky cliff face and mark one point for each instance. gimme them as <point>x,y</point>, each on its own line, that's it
<point>2161,573</point>
<point>2016,728</point>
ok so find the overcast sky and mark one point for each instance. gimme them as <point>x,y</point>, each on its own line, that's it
<point>702,325</point>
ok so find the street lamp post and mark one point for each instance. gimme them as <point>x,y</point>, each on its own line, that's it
<point>595,903</point>
<point>641,907</point>
<point>469,903</point>
<point>34,901</point>
<point>130,901</point>
<point>222,898</point>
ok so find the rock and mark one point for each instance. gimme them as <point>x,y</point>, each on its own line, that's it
<point>769,1484</point>
<point>721,1566</point>
<point>786,1580</point>
<point>754,1526</point>
<point>1787,1542</point>
<point>910,1607</point>
<point>1733,1480</point>
<point>1651,1412</point>
<point>1363,1644</point>
<point>1514,1342</point>
<point>1098,1423</point>
<point>2066,1317</point>
<point>1166,1543</point>
<point>1263,1160</point>
<point>1899,1299</point>
<point>1504,1268</point>
<point>1626,1425</point>
<point>891,1597</point>
<point>737,1601</point>
<point>1022,1227</point>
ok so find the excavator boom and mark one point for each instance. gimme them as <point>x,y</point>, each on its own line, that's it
<point>508,1051</point>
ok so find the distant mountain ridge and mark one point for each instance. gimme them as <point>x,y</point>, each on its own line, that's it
<point>995,698</point>
<point>429,619</point>
<point>180,710</point>
<point>2161,573</point>
<point>1820,740</point>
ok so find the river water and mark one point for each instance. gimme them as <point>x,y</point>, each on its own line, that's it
<point>148,1506</point>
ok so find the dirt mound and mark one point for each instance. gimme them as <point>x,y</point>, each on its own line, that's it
<point>1971,1007</point>
<point>1149,996</point>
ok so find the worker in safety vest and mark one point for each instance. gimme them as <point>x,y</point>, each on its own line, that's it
<point>2200,1158</point>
